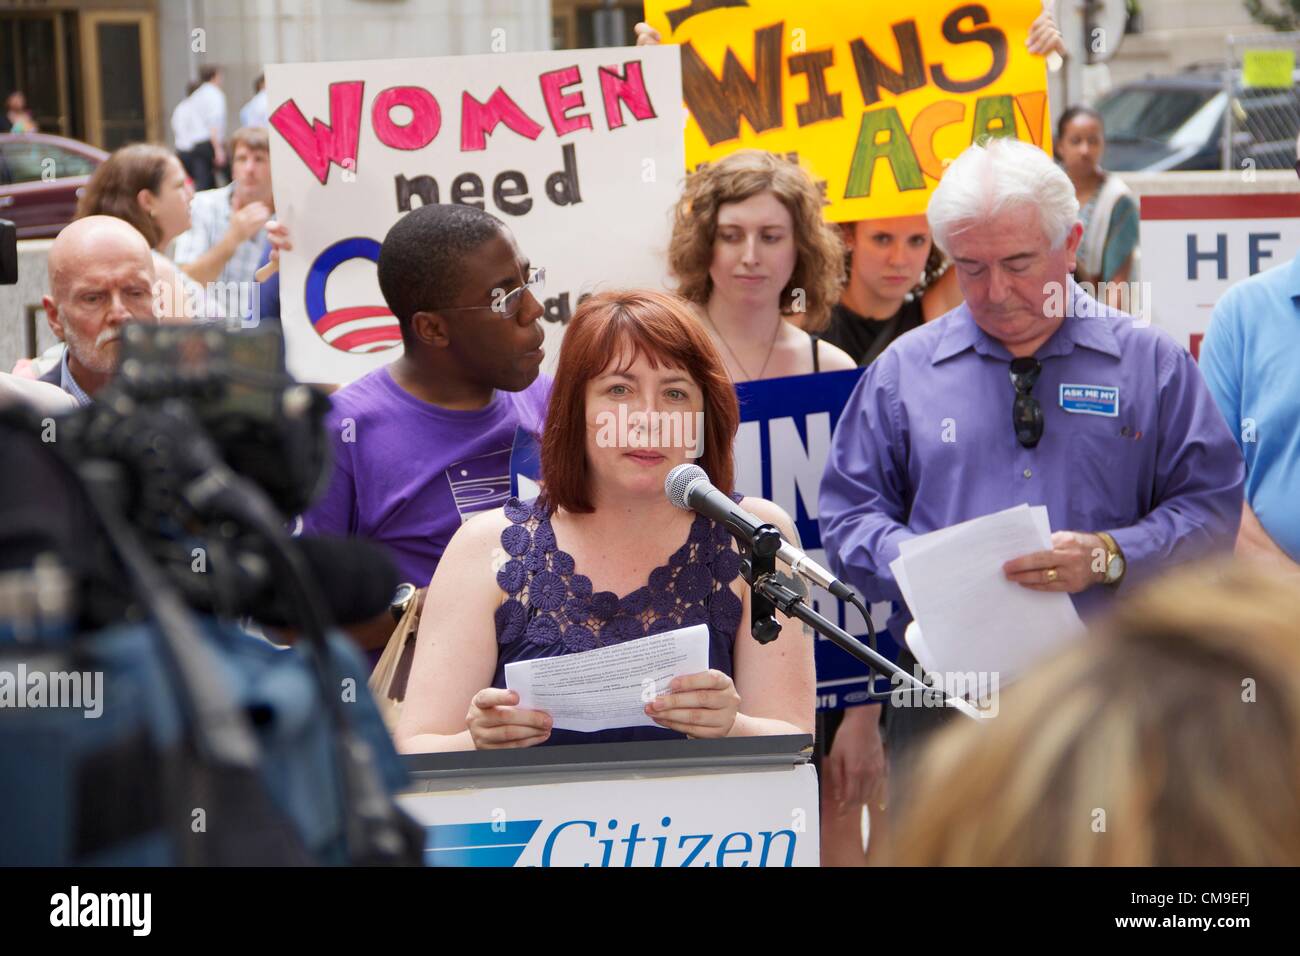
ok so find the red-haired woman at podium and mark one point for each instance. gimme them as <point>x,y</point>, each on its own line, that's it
<point>602,557</point>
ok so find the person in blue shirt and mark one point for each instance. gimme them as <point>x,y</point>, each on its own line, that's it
<point>268,290</point>
<point>1249,360</point>
<point>1113,431</point>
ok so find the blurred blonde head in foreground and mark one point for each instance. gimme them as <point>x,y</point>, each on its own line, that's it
<point>1170,738</point>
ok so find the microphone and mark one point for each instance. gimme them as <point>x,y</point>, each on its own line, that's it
<point>688,487</point>
<point>356,579</point>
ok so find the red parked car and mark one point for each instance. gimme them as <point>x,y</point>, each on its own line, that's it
<point>41,178</point>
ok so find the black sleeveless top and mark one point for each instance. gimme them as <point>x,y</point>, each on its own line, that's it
<point>865,338</point>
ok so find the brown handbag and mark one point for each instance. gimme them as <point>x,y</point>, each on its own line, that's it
<point>388,679</point>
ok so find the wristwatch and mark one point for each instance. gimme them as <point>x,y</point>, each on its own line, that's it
<point>1116,566</point>
<point>402,600</point>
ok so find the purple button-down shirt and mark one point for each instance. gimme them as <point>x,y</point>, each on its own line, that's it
<point>926,441</point>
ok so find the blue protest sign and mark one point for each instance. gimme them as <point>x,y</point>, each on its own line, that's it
<point>781,450</point>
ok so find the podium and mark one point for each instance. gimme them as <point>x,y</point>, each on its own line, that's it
<point>744,801</point>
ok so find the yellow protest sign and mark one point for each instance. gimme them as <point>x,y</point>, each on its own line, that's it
<point>872,97</point>
<point>1269,69</point>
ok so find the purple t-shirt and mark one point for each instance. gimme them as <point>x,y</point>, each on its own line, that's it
<point>407,473</point>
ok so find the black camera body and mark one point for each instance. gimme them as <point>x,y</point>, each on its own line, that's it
<point>192,411</point>
<point>266,426</point>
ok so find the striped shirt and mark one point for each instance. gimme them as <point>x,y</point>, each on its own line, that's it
<point>209,220</point>
<point>69,384</point>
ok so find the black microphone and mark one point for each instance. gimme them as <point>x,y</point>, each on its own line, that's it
<point>689,488</point>
<point>356,578</point>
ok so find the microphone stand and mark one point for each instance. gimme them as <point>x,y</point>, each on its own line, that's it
<point>769,594</point>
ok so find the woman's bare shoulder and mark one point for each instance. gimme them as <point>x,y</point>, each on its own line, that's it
<point>484,527</point>
<point>771,512</point>
<point>833,358</point>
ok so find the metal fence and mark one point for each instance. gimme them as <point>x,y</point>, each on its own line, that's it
<point>1261,122</point>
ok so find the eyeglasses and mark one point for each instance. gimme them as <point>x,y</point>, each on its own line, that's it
<point>508,304</point>
<point>1026,413</point>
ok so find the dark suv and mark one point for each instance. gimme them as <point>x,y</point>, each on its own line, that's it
<point>41,178</point>
<point>1176,122</point>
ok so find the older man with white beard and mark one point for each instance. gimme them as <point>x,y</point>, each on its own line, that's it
<point>101,277</point>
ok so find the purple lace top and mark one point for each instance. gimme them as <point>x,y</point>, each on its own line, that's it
<point>550,609</point>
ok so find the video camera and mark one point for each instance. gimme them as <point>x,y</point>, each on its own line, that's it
<point>191,461</point>
<point>266,426</point>
<point>205,445</point>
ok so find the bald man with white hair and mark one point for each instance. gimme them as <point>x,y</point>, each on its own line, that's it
<point>101,277</point>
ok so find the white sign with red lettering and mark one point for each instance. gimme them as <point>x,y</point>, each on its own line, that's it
<point>579,152</point>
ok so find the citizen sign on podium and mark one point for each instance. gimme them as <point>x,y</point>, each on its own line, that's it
<point>748,801</point>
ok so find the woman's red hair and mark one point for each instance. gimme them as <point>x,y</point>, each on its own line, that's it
<point>620,325</point>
